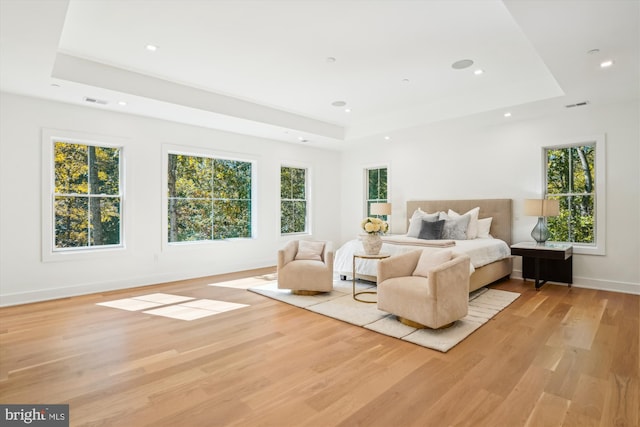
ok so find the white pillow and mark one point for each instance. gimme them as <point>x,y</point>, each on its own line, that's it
<point>430,260</point>
<point>484,225</point>
<point>472,228</point>
<point>415,223</point>
<point>310,250</point>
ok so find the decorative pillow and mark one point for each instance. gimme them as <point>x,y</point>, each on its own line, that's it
<point>431,230</point>
<point>430,260</point>
<point>455,228</point>
<point>415,223</point>
<point>310,250</point>
<point>484,225</point>
<point>472,228</point>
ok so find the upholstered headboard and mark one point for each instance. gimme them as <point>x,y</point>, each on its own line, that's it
<point>498,209</point>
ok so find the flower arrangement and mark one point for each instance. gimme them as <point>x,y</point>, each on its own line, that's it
<point>374,226</point>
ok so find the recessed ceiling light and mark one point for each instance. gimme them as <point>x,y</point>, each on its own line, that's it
<point>387,138</point>
<point>123,103</point>
<point>338,103</point>
<point>507,114</point>
<point>606,64</point>
<point>405,80</point>
<point>151,47</point>
<point>478,71</point>
<point>593,51</point>
<point>462,64</point>
<point>331,59</point>
<point>347,110</point>
<point>55,85</point>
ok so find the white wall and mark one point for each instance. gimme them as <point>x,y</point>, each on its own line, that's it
<point>453,159</point>
<point>25,277</point>
<point>459,160</point>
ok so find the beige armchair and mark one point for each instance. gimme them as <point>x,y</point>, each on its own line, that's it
<point>435,301</point>
<point>306,267</point>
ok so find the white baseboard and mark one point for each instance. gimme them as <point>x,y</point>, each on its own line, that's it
<point>40,295</point>
<point>589,283</point>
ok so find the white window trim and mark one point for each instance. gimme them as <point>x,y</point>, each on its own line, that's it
<point>214,154</point>
<point>601,202</point>
<point>48,250</point>
<point>309,222</point>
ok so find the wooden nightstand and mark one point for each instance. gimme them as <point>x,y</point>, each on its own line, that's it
<point>550,261</point>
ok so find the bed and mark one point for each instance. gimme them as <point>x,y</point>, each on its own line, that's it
<point>490,257</point>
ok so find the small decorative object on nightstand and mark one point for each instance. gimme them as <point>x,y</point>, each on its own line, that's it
<point>542,262</point>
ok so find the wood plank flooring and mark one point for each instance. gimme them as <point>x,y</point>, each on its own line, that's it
<point>556,357</point>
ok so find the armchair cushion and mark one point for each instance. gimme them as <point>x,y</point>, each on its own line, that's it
<point>430,260</point>
<point>308,250</point>
<point>398,265</point>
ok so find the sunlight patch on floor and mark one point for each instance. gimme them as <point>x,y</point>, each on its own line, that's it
<point>166,305</point>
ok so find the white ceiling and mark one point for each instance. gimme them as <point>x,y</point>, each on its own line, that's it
<point>262,67</point>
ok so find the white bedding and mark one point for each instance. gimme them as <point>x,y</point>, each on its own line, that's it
<point>481,252</point>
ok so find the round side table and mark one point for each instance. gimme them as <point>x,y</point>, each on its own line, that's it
<point>362,255</point>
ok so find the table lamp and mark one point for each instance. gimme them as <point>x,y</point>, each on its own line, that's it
<point>542,208</point>
<point>380,209</point>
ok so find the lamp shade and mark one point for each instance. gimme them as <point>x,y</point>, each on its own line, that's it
<point>541,207</point>
<point>380,208</point>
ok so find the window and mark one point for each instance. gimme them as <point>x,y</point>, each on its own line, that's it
<point>574,177</point>
<point>293,200</point>
<point>376,182</point>
<point>208,198</point>
<point>87,196</point>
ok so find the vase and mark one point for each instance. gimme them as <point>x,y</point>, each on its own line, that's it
<point>540,232</point>
<point>371,244</point>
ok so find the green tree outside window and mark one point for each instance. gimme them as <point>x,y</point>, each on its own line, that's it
<point>293,200</point>
<point>376,188</point>
<point>209,198</point>
<point>87,196</point>
<point>570,178</point>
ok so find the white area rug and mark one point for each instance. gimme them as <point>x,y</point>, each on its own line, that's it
<point>339,304</point>
<point>246,283</point>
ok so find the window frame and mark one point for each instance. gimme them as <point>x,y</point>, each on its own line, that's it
<point>599,223</point>
<point>212,154</point>
<point>367,201</point>
<point>307,200</point>
<point>49,251</point>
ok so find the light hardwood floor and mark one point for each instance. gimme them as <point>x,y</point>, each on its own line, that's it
<point>556,357</point>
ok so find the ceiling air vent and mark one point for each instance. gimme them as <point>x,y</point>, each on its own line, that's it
<point>577,104</point>
<point>95,101</point>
